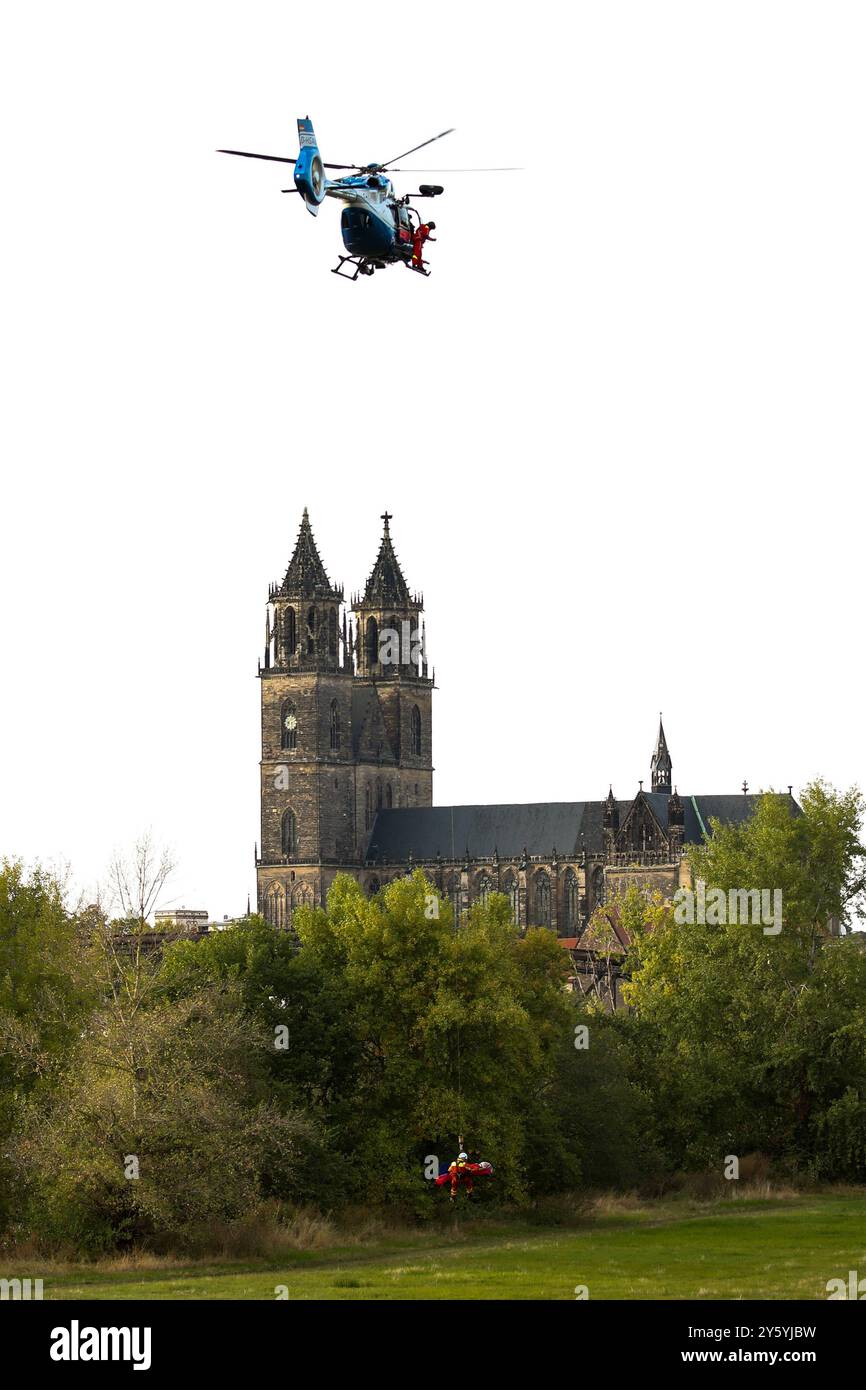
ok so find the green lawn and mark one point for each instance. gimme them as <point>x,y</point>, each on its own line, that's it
<point>767,1249</point>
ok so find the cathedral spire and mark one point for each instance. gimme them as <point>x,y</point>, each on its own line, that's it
<point>388,638</point>
<point>306,575</point>
<point>661,766</point>
<point>303,628</point>
<point>386,584</point>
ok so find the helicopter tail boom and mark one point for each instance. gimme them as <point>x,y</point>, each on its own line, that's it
<point>310,179</point>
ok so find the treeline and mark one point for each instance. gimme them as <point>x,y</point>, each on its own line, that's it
<point>146,1094</point>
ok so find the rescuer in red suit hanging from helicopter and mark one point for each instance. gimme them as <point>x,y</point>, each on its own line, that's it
<point>422,235</point>
<point>461,1173</point>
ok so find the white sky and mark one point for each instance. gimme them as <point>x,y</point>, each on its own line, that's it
<point>621,427</point>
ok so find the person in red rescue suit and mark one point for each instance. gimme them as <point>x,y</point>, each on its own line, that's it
<point>460,1174</point>
<point>421,235</point>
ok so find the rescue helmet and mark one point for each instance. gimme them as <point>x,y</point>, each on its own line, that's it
<point>462,1157</point>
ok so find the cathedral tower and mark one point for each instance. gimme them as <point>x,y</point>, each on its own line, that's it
<point>307,774</point>
<point>394,688</point>
<point>337,745</point>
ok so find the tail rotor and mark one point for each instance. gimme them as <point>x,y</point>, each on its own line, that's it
<point>310,178</point>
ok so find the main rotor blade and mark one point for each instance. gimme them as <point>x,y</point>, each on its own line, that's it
<point>449,131</point>
<point>490,169</point>
<point>290,190</point>
<point>247,154</point>
<point>280,158</point>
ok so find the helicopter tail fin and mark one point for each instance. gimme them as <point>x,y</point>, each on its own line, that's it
<point>310,179</point>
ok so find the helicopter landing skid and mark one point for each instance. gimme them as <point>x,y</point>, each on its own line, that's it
<point>362,264</point>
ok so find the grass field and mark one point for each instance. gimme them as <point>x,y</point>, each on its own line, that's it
<point>748,1248</point>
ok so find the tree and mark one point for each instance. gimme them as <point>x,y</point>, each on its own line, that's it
<point>162,1125</point>
<point>753,1039</point>
<point>43,997</point>
<point>40,994</point>
<point>313,1052</point>
<point>816,859</point>
<point>455,1030</point>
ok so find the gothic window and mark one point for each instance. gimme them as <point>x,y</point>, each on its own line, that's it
<point>572,904</point>
<point>288,725</point>
<point>311,632</point>
<point>368,808</point>
<point>332,632</point>
<point>279,913</point>
<point>379,794</point>
<point>389,796</point>
<point>416,731</point>
<point>483,888</point>
<point>335,724</point>
<point>290,631</point>
<point>373,886</point>
<point>542,899</point>
<point>372,642</point>
<point>509,888</point>
<point>289,837</point>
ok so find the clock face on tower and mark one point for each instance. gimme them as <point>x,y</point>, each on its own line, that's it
<point>291,722</point>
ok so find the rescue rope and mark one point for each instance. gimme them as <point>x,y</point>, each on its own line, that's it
<point>459,1080</point>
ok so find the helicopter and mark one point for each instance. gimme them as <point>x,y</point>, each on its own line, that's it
<point>379,228</point>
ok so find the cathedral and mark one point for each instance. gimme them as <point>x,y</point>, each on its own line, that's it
<point>347,774</point>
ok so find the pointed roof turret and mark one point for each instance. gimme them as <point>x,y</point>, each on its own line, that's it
<point>382,614</point>
<point>661,766</point>
<point>306,574</point>
<point>386,585</point>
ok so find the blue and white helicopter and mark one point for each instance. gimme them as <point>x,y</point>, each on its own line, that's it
<point>379,228</point>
